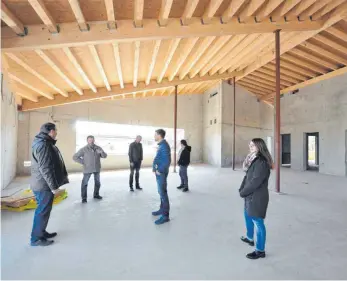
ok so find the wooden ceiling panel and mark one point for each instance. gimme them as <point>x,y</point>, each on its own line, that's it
<point>60,11</point>
<point>23,11</point>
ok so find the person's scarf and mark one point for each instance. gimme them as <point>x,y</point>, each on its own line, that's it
<point>248,161</point>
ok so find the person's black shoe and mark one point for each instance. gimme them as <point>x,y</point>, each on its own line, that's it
<point>131,189</point>
<point>246,240</point>
<point>186,189</point>
<point>50,235</point>
<point>180,187</point>
<point>42,242</point>
<point>84,201</point>
<point>138,188</point>
<point>98,197</point>
<point>256,255</point>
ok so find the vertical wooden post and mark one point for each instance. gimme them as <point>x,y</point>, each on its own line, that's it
<point>277,113</point>
<point>175,129</point>
<point>234,124</point>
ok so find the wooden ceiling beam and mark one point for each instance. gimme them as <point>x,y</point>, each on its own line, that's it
<point>200,50</point>
<point>283,76</point>
<point>118,63</point>
<point>299,8</point>
<point>79,68</point>
<point>268,9</point>
<point>153,60</point>
<point>338,32</point>
<point>136,62</point>
<point>44,15</point>
<point>12,21</point>
<point>270,78</point>
<point>263,81</point>
<point>164,12</point>
<point>99,66</point>
<point>284,9</point>
<point>189,11</point>
<point>328,8</point>
<point>76,9</point>
<point>303,63</point>
<point>172,49</point>
<point>26,95</point>
<point>211,10</point>
<point>330,42</point>
<point>56,68</point>
<point>232,9</point>
<point>71,36</point>
<point>295,68</point>
<point>250,9</point>
<point>313,58</point>
<point>111,20</point>
<point>285,71</point>
<point>118,91</point>
<point>313,9</point>
<point>183,56</point>
<point>138,12</point>
<point>257,85</point>
<point>29,85</point>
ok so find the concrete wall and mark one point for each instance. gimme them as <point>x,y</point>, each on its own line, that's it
<point>8,139</point>
<point>156,112</point>
<point>212,116</point>
<point>321,108</point>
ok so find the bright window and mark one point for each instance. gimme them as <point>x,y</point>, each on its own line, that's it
<point>115,138</point>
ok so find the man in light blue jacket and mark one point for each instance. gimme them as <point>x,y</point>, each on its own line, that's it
<point>161,165</point>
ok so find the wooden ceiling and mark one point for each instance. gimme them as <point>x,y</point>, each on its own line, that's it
<point>62,51</point>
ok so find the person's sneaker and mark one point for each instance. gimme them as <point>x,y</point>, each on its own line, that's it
<point>42,242</point>
<point>256,255</point>
<point>131,189</point>
<point>138,188</point>
<point>180,187</point>
<point>185,189</point>
<point>156,213</point>
<point>161,220</point>
<point>248,241</point>
<point>50,235</point>
<point>84,201</point>
<point>98,197</point>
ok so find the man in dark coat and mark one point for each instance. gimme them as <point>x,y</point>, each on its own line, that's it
<point>135,159</point>
<point>183,162</point>
<point>48,173</point>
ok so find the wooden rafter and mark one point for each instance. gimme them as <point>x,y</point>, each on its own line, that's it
<point>117,91</point>
<point>285,71</point>
<point>11,20</point>
<point>299,8</point>
<point>35,73</point>
<point>328,8</point>
<point>188,11</point>
<point>232,9</point>
<point>136,62</point>
<point>284,9</point>
<point>56,68</point>
<point>313,9</point>
<point>79,68</point>
<point>44,15</point>
<point>330,42</point>
<point>267,9</point>
<point>283,76</point>
<point>211,10</point>
<point>303,63</point>
<point>31,87</point>
<point>118,63</point>
<point>307,55</point>
<point>172,49</point>
<point>164,12</point>
<point>295,68</point>
<point>257,85</point>
<point>153,60</point>
<point>250,9</point>
<point>76,9</point>
<point>98,63</point>
<point>270,78</point>
<point>138,13</point>
<point>338,32</point>
<point>111,20</point>
<point>70,35</point>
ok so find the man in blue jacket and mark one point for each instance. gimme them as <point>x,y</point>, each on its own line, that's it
<point>161,166</point>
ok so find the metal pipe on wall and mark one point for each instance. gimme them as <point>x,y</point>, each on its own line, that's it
<point>277,113</point>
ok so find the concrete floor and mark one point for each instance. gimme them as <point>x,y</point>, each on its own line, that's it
<point>116,238</point>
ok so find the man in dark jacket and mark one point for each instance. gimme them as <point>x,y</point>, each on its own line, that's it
<point>89,156</point>
<point>48,173</point>
<point>135,159</point>
<point>161,165</point>
<point>183,163</point>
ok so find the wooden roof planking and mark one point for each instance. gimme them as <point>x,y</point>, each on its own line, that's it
<point>66,51</point>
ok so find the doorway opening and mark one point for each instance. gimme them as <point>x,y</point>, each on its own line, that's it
<point>286,150</point>
<point>312,151</point>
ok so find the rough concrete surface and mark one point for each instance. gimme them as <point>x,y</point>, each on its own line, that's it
<point>117,238</point>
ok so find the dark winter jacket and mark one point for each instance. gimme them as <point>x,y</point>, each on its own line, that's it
<point>135,152</point>
<point>89,156</point>
<point>254,188</point>
<point>185,156</point>
<point>48,170</point>
<point>162,159</point>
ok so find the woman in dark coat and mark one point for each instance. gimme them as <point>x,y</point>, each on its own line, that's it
<point>254,189</point>
<point>183,162</point>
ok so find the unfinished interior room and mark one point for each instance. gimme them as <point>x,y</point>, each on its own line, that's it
<point>220,74</point>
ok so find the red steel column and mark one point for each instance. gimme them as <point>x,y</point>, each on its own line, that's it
<point>175,129</point>
<point>277,113</point>
<point>234,124</point>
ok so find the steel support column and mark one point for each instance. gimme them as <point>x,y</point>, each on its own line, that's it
<point>175,129</point>
<point>234,122</point>
<point>277,113</point>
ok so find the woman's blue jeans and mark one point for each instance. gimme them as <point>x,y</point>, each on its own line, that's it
<point>260,231</point>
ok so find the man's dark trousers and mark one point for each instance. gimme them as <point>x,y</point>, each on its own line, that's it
<point>136,167</point>
<point>85,181</point>
<point>44,201</point>
<point>164,197</point>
